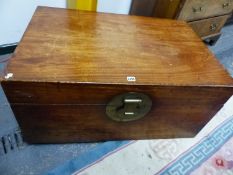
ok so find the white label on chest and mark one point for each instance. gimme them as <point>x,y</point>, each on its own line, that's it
<point>131,78</point>
<point>9,75</point>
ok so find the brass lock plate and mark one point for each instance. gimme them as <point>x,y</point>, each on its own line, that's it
<point>128,106</point>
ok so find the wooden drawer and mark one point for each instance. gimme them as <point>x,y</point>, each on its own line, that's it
<point>199,9</point>
<point>208,26</point>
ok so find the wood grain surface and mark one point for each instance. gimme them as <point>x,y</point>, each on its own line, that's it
<point>70,64</point>
<point>87,47</point>
<point>167,8</point>
<point>143,8</point>
<point>198,13</point>
<point>59,113</point>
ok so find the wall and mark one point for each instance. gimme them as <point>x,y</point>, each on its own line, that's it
<point>16,14</point>
<point>114,6</point>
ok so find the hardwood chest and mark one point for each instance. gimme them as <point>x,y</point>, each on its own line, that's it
<point>81,76</point>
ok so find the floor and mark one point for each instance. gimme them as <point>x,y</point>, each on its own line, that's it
<point>20,158</point>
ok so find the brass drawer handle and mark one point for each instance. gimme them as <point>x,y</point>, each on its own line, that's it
<point>225,5</point>
<point>197,9</point>
<point>213,27</point>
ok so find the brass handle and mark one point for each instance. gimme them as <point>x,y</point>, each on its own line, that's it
<point>129,113</point>
<point>132,100</point>
<point>128,106</point>
<point>225,5</point>
<point>213,27</point>
<point>197,9</point>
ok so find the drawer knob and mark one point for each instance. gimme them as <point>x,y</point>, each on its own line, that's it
<point>128,107</point>
<point>213,27</point>
<point>225,5</point>
<point>197,9</point>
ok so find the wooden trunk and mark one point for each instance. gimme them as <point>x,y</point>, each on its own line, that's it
<point>70,64</point>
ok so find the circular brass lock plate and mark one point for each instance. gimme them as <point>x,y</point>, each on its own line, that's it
<point>128,106</point>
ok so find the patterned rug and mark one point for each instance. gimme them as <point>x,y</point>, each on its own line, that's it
<point>209,153</point>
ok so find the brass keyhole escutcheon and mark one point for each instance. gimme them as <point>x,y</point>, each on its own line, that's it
<point>128,107</point>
